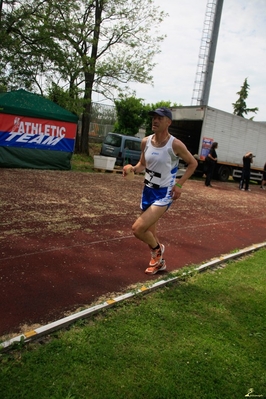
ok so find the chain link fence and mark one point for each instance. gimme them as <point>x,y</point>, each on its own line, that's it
<point>103,118</point>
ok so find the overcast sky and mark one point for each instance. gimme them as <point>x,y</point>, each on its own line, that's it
<point>240,54</point>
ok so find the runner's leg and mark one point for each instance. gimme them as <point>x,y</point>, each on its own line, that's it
<point>145,226</point>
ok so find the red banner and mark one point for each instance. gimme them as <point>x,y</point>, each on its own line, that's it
<point>26,132</point>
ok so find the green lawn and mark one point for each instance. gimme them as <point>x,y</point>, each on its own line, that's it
<point>81,163</point>
<point>200,338</point>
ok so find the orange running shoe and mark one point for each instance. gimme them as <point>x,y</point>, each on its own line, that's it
<point>157,256</point>
<point>155,269</point>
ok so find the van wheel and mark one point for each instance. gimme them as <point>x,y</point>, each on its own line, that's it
<point>119,161</point>
<point>127,161</point>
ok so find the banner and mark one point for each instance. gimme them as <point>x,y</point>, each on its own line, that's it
<point>205,148</point>
<point>33,133</point>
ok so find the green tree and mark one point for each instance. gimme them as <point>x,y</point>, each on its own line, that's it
<point>130,115</point>
<point>62,97</point>
<point>240,106</point>
<point>94,45</point>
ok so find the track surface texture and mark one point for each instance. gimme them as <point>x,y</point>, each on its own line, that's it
<point>66,240</point>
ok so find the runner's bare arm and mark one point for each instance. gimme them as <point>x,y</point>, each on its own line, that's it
<point>141,164</point>
<point>181,150</point>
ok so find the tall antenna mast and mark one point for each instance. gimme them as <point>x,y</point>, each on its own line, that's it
<point>202,84</point>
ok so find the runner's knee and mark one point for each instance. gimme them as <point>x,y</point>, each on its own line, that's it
<point>137,230</point>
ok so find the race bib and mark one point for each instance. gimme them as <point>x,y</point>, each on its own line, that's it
<point>152,179</point>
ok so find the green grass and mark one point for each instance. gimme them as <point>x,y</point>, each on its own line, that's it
<point>202,338</point>
<point>81,163</point>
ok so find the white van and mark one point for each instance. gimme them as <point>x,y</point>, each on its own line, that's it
<point>126,149</point>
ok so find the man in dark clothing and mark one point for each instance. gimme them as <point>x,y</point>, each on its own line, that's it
<point>247,160</point>
<point>210,162</point>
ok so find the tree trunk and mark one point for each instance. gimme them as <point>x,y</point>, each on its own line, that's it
<point>85,130</point>
<point>89,79</point>
<point>1,10</point>
<point>86,116</point>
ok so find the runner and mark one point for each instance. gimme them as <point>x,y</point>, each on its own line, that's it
<point>159,157</point>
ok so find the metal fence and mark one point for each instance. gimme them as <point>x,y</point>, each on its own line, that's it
<point>99,129</point>
<point>103,118</point>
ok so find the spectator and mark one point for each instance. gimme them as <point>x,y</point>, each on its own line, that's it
<point>211,160</point>
<point>245,178</point>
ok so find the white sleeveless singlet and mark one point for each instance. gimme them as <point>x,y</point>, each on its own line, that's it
<point>161,164</point>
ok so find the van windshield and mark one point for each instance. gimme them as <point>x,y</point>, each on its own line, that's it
<point>113,140</point>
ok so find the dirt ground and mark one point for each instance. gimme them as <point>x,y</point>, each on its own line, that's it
<point>66,240</point>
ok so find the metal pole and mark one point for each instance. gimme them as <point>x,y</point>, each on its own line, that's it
<point>211,56</point>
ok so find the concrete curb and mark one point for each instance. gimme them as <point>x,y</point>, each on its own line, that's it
<point>44,330</point>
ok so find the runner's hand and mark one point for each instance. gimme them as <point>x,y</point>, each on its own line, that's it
<point>176,192</point>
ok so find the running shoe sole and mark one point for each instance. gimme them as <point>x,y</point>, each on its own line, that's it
<point>155,269</point>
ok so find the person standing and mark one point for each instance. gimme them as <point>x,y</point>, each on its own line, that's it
<point>263,183</point>
<point>211,160</point>
<point>245,178</point>
<point>159,158</point>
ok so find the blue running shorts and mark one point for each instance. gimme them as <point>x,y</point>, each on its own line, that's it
<point>159,197</point>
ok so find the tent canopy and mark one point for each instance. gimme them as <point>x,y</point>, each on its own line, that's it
<point>21,102</point>
<point>35,132</point>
